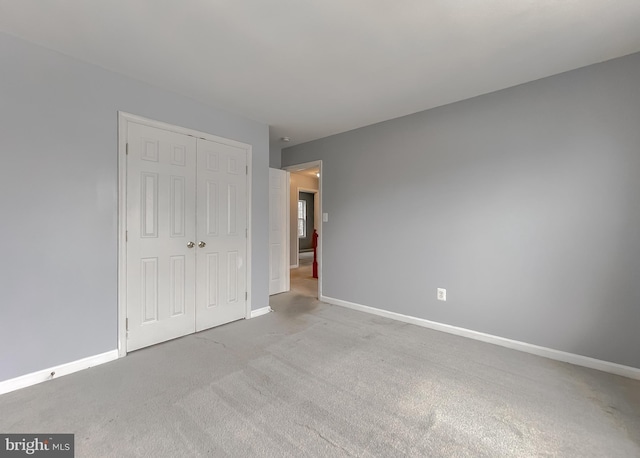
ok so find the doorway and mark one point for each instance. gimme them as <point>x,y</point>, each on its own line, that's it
<point>305,217</point>
<point>306,221</point>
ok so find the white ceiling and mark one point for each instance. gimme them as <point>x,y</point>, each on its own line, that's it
<point>310,172</point>
<point>318,67</point>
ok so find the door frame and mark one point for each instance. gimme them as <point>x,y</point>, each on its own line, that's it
<point>123,121</point>
<point>298,168</point>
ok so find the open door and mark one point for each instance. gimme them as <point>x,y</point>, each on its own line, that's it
<point>278,231</point>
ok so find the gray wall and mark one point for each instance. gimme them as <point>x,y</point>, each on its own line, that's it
<point>275,153</point>
<point>522,203</point>
<point>58,237</point>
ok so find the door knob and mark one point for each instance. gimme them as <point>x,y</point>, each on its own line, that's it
<point>190,245</point>
<point>202,244</point>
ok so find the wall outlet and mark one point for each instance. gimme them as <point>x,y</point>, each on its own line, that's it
<point>441,294</point>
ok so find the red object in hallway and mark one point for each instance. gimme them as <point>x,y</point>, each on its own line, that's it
<point>314,243</point>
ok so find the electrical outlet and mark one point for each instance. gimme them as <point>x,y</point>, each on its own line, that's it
<point>441,294</point>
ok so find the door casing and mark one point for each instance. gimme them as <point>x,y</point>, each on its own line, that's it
<point>123,120</point>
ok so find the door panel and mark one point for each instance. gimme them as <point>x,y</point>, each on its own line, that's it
<point>177,210</point>
<point>222,230</point>
<point>278,231</point>
<point>160,222</point>
<point>177,285</point>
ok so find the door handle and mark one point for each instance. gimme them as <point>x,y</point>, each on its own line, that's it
<point>190,245</point>
<point>202,244</point>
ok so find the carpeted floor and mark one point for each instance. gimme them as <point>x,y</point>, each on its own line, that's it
<point>313,379</point>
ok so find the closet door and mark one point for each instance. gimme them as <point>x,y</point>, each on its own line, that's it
<point>222,234</point>
<point>161,235</point>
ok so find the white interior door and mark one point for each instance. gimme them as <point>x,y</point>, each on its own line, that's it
<point>186,242</point>
<point>278,231</point>
<point>221,290</point>
<point>161,262</point>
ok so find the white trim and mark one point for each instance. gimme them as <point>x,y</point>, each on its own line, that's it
<point>181,130</point>
<point>297,168</point>
<point>123,120</point>
<point>294,266</point>
<point>63,369</point>
<point>578,360</point>
<point>287,207</point>
<point>248,284</point>
<point>260,311</point>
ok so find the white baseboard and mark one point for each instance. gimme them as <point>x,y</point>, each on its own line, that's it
<point>294,266</point>
<point>63,369</point>
<point>260,311</point>
<point>578,360</point>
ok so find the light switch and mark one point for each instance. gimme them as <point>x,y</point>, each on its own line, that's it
<point>325,217</point>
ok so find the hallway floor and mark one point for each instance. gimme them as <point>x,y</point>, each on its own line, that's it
<point>302,281</point>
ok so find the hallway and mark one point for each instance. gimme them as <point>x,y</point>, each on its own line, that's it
<point>303,296</point>
<point>302,281</point>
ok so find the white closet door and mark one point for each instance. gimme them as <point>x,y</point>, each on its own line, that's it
<point>161,265</point>
<point>222,234</point>
<point>278,231</point>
